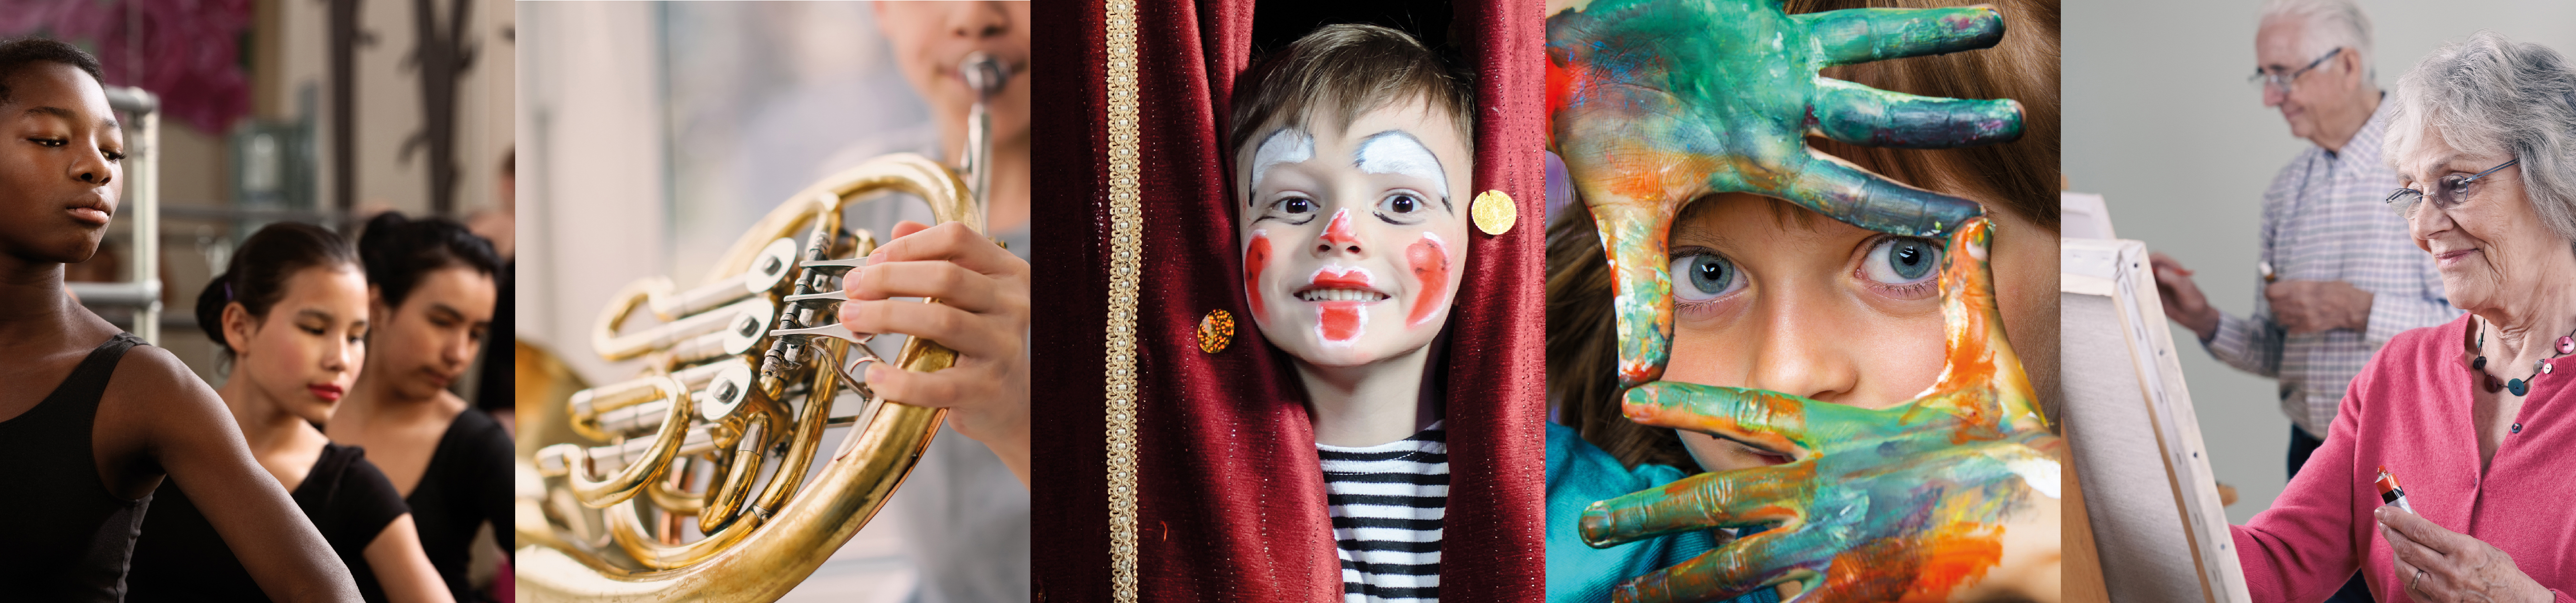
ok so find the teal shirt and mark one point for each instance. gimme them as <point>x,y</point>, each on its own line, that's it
<point>1579,474</point>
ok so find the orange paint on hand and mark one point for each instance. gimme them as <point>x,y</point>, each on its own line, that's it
<point>1924,571</point>
<point>1953,555</point>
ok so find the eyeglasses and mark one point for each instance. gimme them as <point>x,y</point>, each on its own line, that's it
<point>2274,79</point>
<point>2446,192</point>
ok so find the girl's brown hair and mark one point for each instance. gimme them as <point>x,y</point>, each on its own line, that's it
<point>2020,177</point>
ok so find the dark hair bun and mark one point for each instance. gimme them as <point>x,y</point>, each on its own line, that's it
<point>256,276</point>
<point>399,250</point>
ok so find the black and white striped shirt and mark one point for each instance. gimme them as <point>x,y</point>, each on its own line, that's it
<point>1387,501</point>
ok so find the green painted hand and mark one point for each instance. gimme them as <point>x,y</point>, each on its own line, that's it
<point>1905,503</point>
<point>1656,103</point>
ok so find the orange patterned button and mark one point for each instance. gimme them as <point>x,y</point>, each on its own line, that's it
<point>1216,330</point>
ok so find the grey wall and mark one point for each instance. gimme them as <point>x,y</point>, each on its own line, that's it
<point>2159,120</point>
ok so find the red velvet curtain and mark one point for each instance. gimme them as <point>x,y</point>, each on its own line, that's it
<point>1231,501</point>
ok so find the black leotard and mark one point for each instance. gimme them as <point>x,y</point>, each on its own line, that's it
<point>73,536</point>
<point>466,485</point>
<point>181,558</point>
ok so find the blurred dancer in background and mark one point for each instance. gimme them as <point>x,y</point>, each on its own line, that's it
<point>432,306</point>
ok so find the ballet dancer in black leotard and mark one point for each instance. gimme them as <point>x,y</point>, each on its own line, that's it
<point>90,419</point>
<point>291,313</point>
<point>434,296</point>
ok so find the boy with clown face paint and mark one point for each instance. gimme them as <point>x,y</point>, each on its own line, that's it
<point>1349,243</point>
<point>1352,156</point>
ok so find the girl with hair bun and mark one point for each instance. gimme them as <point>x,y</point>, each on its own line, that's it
<point>290,313</point>
<point>91,418</point>
<point>432,302</point>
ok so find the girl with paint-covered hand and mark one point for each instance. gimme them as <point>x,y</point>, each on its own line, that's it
<point>1869,432</point>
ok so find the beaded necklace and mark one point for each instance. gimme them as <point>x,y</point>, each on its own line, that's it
<point>2566,344</point>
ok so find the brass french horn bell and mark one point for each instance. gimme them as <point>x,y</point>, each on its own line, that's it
<point>689,481</point>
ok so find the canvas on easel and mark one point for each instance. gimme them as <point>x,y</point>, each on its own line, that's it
<point>2152,501</point>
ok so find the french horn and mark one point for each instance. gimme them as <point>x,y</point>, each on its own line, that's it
<point>690,480</point>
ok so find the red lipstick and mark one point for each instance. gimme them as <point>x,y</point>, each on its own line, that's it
<point>326,391</point>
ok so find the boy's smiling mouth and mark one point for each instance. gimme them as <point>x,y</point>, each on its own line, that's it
<point>1342,294</point>
<point>1344,285</point>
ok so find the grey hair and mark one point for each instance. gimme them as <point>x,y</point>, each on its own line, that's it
<point>2328,24</point>
<point>2491,96</point>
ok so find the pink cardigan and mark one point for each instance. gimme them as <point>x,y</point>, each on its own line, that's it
<point>2409,410</point>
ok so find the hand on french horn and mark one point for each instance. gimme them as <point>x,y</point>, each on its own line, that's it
<point>983,314</point>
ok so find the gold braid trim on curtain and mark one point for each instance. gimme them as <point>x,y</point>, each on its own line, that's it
<point>1126,255</point>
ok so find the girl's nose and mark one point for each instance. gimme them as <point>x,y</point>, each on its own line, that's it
<point>1801,353</point>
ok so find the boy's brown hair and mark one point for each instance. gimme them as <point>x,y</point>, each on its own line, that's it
<point>1346,70</point>
<point>2019,177</point>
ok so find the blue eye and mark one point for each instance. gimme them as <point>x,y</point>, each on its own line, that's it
<point>1902,261</point>
<point>1704,276</point>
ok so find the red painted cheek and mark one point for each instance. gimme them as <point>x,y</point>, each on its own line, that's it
<point>1430,263</point>
<point>1256,256</point>
<point>1339,321</point>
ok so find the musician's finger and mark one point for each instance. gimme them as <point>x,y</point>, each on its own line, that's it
<point>943,389</point>
<point>967,333</point>
<point>946,281</point>
<point>952,242</point>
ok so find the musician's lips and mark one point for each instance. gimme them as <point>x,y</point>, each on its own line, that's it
<point>1011,67</point>
<point>1014,66</point>
<point>328,392</point>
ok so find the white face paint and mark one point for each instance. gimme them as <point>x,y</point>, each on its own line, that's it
<point>1399,153</point>
<point>1285,146</point>
<point>1338,270</point>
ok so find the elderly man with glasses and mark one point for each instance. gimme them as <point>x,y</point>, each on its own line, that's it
<point>2341,275</point>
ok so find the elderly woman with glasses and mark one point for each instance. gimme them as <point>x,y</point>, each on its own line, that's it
<point>2478,415</point>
